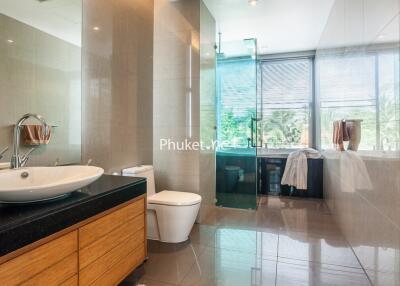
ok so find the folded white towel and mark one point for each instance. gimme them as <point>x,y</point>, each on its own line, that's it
<point>296,169</point>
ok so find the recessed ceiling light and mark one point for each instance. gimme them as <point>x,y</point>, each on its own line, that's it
<point>381,36</point>
<point>10,41</point>
<point>95,28</point>
<point>253,2</point>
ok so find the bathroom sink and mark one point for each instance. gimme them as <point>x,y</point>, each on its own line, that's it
<point>34,184</point>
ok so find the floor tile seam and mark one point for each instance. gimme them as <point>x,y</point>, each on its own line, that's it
<point>383,272</point>
<point>168,282</point>
<point>231,249</point>
<point>188,272</point>
<point>288,199</point>
<point>332,224</point>
<point>354,253</point>
<point>277,257</point>
<point>198,255</point>
<point>256,255</point>
<point>197,261</point>
<point>321,234</point>
<point>337,239</point>
<point>279,209</point>
<point>236,209</point>
<point>318,262</point>
<point>327,207</point>
<point>359,262</point>
<point>384,215</point>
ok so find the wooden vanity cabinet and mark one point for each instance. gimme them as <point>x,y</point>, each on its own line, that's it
<point>53,263</point>
<point>112,246</point>
<point>102,250</point>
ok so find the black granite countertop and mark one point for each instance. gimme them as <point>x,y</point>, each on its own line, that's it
<point>21,225</point>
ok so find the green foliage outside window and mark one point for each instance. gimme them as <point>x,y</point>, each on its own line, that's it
<point>283,129</point>
<point>235,128</point>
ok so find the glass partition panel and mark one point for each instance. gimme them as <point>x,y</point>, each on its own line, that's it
<point>237,124</point>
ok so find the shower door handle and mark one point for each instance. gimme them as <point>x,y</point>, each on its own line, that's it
<point>254,120</point>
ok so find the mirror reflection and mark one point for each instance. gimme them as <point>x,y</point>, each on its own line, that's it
<point>40,73</point>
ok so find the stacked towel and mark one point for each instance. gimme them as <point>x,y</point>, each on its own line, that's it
<point>340,134</point>
<point>296,169</point>
<point>346,130</point>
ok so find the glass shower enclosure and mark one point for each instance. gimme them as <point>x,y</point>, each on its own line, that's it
<point>238,119</point>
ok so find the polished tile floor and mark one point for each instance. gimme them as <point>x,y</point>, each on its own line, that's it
<point>285,242</point>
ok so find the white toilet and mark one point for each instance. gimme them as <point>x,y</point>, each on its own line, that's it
<point>170,215</point>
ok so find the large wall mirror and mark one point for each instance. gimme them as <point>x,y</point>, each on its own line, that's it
<point>40,72</point>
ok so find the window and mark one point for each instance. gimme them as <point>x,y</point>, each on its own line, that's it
<point>346,89</point>
<point>361,87</point>
<point>287,88</point>
<point>389,106</point>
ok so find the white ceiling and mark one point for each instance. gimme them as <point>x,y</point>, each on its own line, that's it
<point>279,25</point>
<point>60,18</point>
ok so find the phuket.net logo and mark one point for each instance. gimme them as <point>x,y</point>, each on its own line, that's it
<point>190,145</point>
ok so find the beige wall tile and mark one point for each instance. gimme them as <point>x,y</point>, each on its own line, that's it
<point>183,30</point>
<point>117,83</point>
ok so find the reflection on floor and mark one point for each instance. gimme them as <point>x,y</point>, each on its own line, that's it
<point>285,242</point>
<point>244,201</point>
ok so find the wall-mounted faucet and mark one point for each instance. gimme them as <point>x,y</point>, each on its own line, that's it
<point>17,160</point>
<point>2,152</point>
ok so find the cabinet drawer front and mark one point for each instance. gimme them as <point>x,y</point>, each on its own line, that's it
<point>95,230</point>
<point>120,270</point>
<point>96,269</point>
<point>98,248</point>
<point>30,264</point>
<point>56,274</point>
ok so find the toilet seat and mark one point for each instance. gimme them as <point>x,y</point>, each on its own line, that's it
<point>170,214</point>
<point>172,198</point>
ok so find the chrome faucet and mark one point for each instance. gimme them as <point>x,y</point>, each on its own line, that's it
<point>2,152</point>
<point>18,161</point>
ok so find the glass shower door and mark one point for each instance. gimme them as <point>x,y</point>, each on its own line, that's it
<point>237,120</point>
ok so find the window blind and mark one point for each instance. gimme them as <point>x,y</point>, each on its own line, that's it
<point>287,87</point>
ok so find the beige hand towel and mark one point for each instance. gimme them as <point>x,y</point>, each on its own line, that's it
<point>354,130</point>
<point>340,134</point>
<point>34,135</point>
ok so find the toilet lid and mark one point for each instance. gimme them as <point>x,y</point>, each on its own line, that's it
<point>174,198</point>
